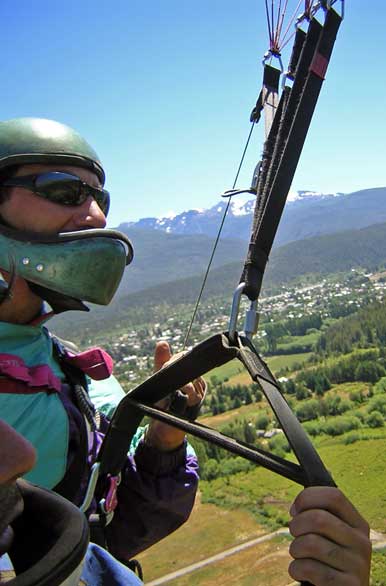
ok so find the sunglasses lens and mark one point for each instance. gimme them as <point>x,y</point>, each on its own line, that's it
<point>61,188</point>
<point>102,197</point>
<point>67,189</point>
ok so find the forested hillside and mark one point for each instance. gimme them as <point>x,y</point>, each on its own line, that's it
<point>295,262</point>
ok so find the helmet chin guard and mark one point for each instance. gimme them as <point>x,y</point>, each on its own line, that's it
<point>68,268</point>
<point>50,540</point>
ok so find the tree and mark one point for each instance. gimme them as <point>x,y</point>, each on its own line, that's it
<point>237,403</point>
<point>369,371</point>
<point>289,387</point>
<point>249,433</point>
<point>302,392</point>
<point>262,421</point>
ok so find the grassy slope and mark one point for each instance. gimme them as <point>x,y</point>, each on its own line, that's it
<point>378,569</point>
<point>237,375</point>
<point>247,501</point>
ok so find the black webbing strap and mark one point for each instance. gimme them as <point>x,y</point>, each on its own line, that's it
<point>313,467</point>
<point>271,78</point>
<point>213,352</point>
<point>301,59</point>
<point>284,163</point>
<point>270,461</point>
<point>291,100</point>
<point>300,38</point>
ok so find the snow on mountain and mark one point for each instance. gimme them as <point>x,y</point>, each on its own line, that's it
<point>308,195</point>
<point>201,221</point>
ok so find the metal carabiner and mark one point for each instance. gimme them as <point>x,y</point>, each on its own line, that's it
<point>330,4</point>
<point>251,316</point>
<point>273,54</point>
<point>90,488</point>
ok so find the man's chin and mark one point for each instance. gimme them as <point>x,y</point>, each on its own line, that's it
<point>6,539</point>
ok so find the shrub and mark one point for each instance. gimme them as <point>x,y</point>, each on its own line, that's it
<point>339,425</point>
<point>258,396</point>
<point>352,438</point>
<point>308,410</point>
<point>361,415</point>
<point>375,419</point>
<point>279,444</point>
<point>377,403</point>
<point>210,470</point>
<point>380,386</point>
<point>234,465</point>
<point>302,392</point>
<point>357,396</point>
<point>335,405</point>
<point>313,428</point>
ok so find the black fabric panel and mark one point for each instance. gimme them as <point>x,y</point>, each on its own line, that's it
<point>304,100</point>
<point>51,538</point>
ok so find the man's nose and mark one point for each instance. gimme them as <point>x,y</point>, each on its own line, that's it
<point>17,455</point>
<point>89,215</point>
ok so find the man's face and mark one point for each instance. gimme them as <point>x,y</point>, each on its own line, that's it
<point>17,457</point>
<point>24,210</point>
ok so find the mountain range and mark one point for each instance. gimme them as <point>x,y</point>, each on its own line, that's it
<point>321,255</point>
<point>323,234</point>
<point>171,249</point>
<point>306,214</point>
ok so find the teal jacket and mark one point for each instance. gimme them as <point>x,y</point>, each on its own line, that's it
<point>157,490</point>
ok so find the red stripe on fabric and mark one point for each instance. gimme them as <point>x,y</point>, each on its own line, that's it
<point>41,375</point>
<point>19,388</point>
<point>319,65</point>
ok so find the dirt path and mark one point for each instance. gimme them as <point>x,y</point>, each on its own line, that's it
<point>378,541</point>
<point>215,558</point>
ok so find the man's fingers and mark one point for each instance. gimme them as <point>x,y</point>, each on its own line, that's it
<point>331,544</point>
<point>345,559</point>
<point>195,391</point>
<point>162,354</point>
<point>324,523</point>
<point>316,572</point>
<point>332,500</point>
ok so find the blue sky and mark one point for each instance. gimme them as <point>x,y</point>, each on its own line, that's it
<point>163,90</point>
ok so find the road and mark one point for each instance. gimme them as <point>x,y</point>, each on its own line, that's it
<point>216,558</point>
<point>378,540</point>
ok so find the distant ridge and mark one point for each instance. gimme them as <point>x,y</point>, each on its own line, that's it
<point>161,257</point>
<point>322,255</point>
<point>306,214</point>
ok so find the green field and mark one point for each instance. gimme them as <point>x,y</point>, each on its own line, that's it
<point>378,573</point>
<point>226,371</point>
<point>277,363</point>
<point>289,343</point>
<point>236,509</point>
<point>234,373</point>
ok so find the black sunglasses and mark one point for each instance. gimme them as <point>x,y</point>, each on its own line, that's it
<point>62,188</point>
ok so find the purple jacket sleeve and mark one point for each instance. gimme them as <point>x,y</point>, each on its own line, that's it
<point>155,497</point>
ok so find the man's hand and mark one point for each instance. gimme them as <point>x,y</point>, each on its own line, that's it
<point>331,544</point>
<point>159,434</point>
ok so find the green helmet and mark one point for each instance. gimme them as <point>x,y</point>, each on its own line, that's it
<point>69,268</point>
<point>38,140</point>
